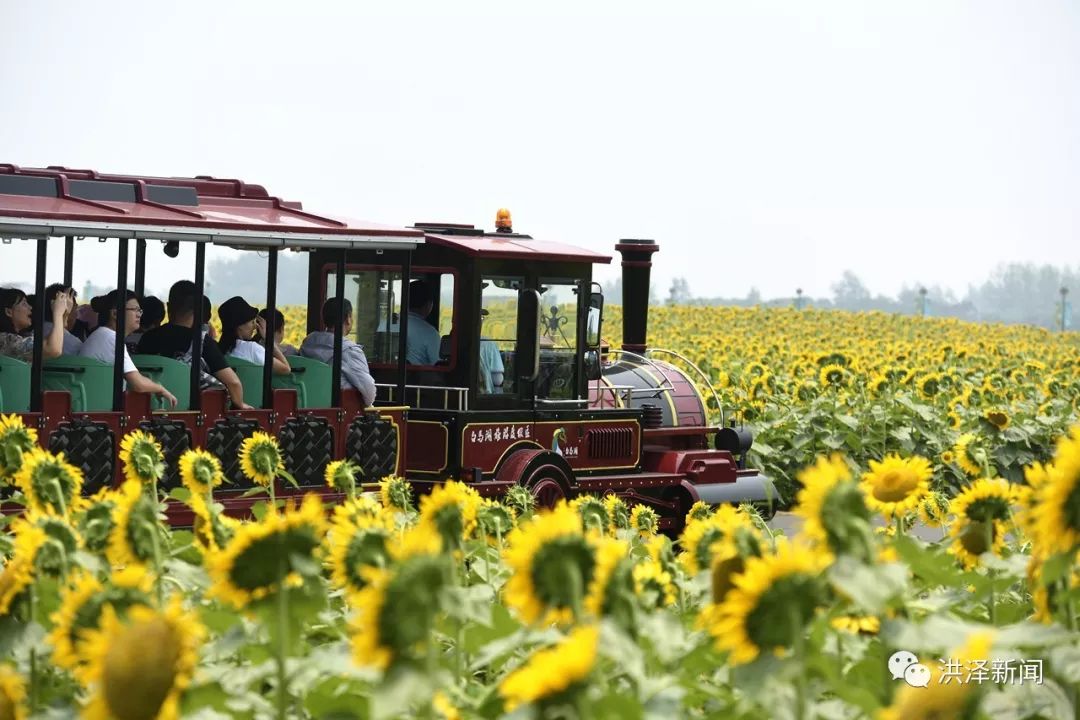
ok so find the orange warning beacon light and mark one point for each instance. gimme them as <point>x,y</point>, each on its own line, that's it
<point>502,221</point>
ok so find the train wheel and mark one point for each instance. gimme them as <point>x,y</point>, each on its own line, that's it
<point>547,475</point>
<point>547,490</point>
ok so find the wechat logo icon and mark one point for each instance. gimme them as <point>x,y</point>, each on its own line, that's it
<point>903,665</point>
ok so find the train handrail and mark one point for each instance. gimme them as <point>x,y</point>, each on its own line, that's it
<point>648,361</point>
<point>699,371</point>
<point>446,390</point>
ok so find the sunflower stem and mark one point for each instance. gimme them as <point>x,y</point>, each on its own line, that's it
<point>899,525</point>
<point>283,639</point>
<point>991,609</point>
<point>33,654</point>
<point>159,566</point>
<point>800,678</point>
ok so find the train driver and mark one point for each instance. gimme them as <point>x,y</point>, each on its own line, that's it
<point>423,340</point>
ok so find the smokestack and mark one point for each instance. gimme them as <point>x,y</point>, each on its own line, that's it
<point>636,264</point>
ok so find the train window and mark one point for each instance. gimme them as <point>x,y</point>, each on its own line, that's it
<point>376,303</point>
<point>558,339</point>
<point>498,334</point>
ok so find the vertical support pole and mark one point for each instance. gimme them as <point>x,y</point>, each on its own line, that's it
<point>339,331</point>
<point>121,325</point>
<point>140,267</point>
<point>268,341</point>
<point>196,327</point>
<point>69,259</point>
<point>403,330</point>
<point>38,325</point>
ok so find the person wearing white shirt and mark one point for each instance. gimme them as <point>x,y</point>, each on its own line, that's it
<point>101,344</point>
<point>239,322</point>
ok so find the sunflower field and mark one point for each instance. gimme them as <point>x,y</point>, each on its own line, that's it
<point>934,468</point>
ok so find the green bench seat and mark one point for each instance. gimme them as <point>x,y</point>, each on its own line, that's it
<point>89,381</point>
<point>173,375</point>
<point>14,385</point>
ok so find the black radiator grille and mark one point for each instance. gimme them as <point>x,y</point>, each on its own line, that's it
<point>609,443</point>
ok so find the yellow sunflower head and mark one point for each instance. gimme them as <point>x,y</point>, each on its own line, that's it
<point>200,471</point>
<point>12,694</point>
<point>700,536</point>
<point>941,699</point>
<point>1056,502</point>
<point>654,585</point>
<point>260,459</point>
<point>698,511</point>
<point>645,520</point>
<point>553,672</point>
<point>833,376</point>
<point>551,564</point>
<point>981,513</point>
<point>396,493</point>
<point>857,624</point>
<point>970,454</point>
<point>396,609</point>
<point>361,509</point>
<point>593,511</point>
<point>895,486</point>
<point>135,528</point>
<point>15,440</point>
<point>618,511</point>
<point>610,593</point>
<point>284,545</point>
<point>930,386</point>
<point>833,509</point>
<point>450,508</point>
<point>341,476</point>
<point>50,483</point>
<point>140,666</point>
<point>495,520</point>
<point>212,529</point>
<point>770,604</point>
<point>521,500</point>
<point>95,520</point>
<point>142,457</point>
<point>19,571</point>
<point>997,418</point>
<point>933,509</point>
<point>355,547</point>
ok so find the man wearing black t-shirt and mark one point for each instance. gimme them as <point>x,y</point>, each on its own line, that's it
<point>173,340</point>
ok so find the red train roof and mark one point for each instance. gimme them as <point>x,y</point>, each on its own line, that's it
<point>508,245</point>
<point>58,201</point>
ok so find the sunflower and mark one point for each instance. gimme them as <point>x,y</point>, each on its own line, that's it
<point>261,554</point>
<point>360,509</point>
<point>698,511</point>
<point>441,704</point>
<point>593,511</point>
<point>49,482</point>
<point>18,573</point>
<point>981,511</point>
<point>930,385</point>
<point>933,509</point>
<point>95,519</point>
<point>141,667</point>
<point>81,606</point>
<point>142,457</point>
<point>618,511</point>
<point>200,471</point>
<point>941,699</point>
<point>211,528</point>
<point>645,520</point>
<point>1056,504</point>
<point>612,577</point>
<point>895,486</point>
<point>770,603</point>
<point>880,384</point>
<point>260,459</point>
<point>397,608</point>
<point>551,566</point>
<point>553,672</point>
<point>832,376</point>
<point>495,520</point>
<point>356,546</point>
<point>56,554</point>
<point>970,454</point>
<point>12,694</point>
<point>341,476</point>
<point>832,507</point>
<point>699,536</point>
<point>653,584</point>
<point>857,624</point>
<point>15,440</point>
<point>136,534</point>
<point>451,508</point>
<point>998,418</point>
<point>396,493</point>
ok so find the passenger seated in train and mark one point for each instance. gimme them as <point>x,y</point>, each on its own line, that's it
<point>153,314</point>
<point>319,345</point>
<point>101,344</point>
<point>278,328</point>
<point>16,336</point>
<point>238,324</point>
<point>71,342</point>
<point>422,344</point>
<point>173,340</point>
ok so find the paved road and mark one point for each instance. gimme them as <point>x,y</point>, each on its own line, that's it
<point>790,524</point>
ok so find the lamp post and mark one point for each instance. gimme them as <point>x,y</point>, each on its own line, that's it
<point>922,302</point>
<point>1064,306</point>
<point>798,298</point>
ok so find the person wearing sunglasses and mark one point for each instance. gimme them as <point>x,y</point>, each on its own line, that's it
<point>101,344</point>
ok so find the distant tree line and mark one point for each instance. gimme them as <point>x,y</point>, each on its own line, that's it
<point>1014,293</point>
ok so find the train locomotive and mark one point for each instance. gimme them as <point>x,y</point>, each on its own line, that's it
<point>514,386</point>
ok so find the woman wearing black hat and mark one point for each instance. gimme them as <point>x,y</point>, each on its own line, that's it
<point>239,321</point>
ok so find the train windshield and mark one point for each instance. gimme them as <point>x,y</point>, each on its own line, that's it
<point>558,339</point>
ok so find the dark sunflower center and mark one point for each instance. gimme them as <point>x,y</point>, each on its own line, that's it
<point>140,669</point>
<point>987,509</point>
<point>1071,510</point>
<point>782,611</point>
<point>723,573</point>
<point>977,538</point>
<point>562,570</point>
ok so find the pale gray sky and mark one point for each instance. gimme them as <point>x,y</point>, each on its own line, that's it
<point>767,144</point>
